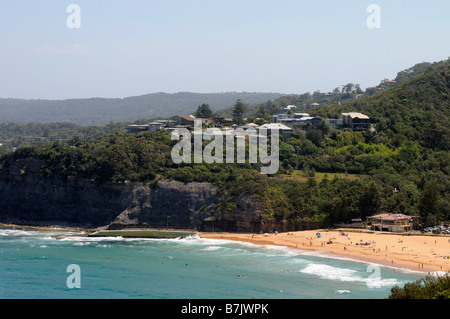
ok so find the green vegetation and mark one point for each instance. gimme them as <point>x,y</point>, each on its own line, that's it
<point>344,94</point>
<point>430,287</point>
<point>415,111</point>
<point>141,234</point>
<point>204,111</point>
<point>101,111</point>
<point>238,112</point>
<point>116,157</point>
<point>401,167</point>
<point>14,135</point>
<point>304,176</point>
<point>418,69</point>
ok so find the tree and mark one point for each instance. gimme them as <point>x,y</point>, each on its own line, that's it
<point>272,108</point>
<point>204,111</point>
<point>315,136</point>
<point>348,88</point>
<point>261,112</point>
<point>238,112</point>
<point>428,205</point>
<point>323,126</point>
<point>317,95</point>
<point>336,96</point>
<point>429,287</point>
<point>369,201</point>
<point>436,136</point>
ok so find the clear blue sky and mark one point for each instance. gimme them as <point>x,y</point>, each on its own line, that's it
<point>135,47</point>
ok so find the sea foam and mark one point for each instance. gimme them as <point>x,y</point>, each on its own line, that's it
<point>345,274</point>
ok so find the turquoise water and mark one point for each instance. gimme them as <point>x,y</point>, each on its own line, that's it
<point>33,264</point>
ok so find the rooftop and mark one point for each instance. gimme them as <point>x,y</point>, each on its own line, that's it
<point>356,115</point>
<point>186,117</point>
<point>278,126</point>
<point>386,216</point>
<point>301,114</point>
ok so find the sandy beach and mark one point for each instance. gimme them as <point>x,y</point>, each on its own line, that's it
<point>423,253</point>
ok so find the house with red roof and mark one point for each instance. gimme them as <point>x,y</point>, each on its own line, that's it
<point>392,222</point>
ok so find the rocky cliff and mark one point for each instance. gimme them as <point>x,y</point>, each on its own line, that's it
<point>26,197</point>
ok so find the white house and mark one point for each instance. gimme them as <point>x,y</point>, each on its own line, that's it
<point>356,121</point>
<point>283,130</point>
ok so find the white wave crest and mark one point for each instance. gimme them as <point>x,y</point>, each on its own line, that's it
<point>16,232</point>
<point>211,248</point>
<point>345,274</point>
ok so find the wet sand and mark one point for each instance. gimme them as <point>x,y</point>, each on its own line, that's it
<point>426,253</point>
<point>415,252</point>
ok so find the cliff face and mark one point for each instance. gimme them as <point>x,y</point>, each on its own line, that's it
<point>28,198</point>
<point>168,204</point>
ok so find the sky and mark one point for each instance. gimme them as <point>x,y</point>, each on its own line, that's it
<point>133,47</point>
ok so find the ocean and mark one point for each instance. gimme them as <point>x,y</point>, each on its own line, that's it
<point>62,264</point>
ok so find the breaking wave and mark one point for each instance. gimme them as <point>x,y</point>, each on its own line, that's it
<point>345,274</point>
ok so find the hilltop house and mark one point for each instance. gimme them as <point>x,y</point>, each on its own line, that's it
<point>283,130</point>
<point>152,127</point>
<point>250,125</point>
<point>356,121</point>
<point>184,120</point>
<point>334,123</point>
<point>63,138</point>
<point>223,121</point>
<point>391,222</point>
<point>34,139</point>
<point>155,126</point>
<point>135,128</point>
<point>296,121</point>
<point>288,118</point>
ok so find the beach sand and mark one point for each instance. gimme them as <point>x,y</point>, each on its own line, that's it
<point>415,252</point>
<point>425,253</point>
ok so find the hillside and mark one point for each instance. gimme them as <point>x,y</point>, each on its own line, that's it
<point>418,69</point>
<point>418,109</point>
<point>345,94</point>
<point>99,111</point>
<point>401,167</point>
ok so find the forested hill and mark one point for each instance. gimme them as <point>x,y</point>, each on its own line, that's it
<point>418,109</point>
<point>100,111</point>
<point>418,69</point>
<point>326,176</point>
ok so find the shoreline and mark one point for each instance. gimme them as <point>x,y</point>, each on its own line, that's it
<point>413,252</point>
<point>47,228</point>
<point>420,253</point>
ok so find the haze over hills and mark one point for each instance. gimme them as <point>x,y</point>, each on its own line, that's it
<point>99,111</point>
<point>344,94</point>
